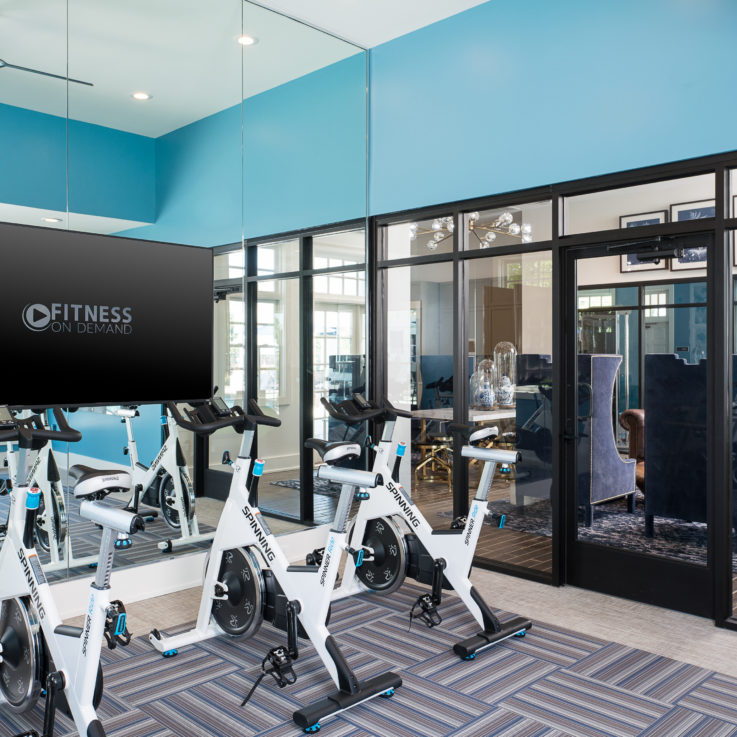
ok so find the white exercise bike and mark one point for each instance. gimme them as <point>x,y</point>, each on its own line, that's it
<point>52,531</point>
<point>38,654</point>
<point>398,542</point>
<point>249,578</point>
<point>166,483</point>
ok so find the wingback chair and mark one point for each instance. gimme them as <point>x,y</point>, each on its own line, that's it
<point>675,439</point>
<point>603,475</point>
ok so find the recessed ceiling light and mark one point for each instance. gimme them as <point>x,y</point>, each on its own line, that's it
<point>51,220</point>
<point>141,96</point>
<point>247,40</point>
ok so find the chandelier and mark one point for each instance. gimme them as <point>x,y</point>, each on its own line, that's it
<point>485,233</point>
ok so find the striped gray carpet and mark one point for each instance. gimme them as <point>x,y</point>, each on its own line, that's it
<point>552,683</point>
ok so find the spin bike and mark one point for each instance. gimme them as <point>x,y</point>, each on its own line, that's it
<point>51,521</point>
<point>398,542</point>
<point>39,654</point>
<point>249,578</point>
<point>167,479</point>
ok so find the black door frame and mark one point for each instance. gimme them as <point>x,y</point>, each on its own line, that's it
<point>638,576</point>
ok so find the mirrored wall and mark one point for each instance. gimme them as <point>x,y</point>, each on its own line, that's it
<point>207,127</point>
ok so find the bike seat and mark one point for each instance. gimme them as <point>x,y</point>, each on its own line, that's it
<point>94,482</point>
<point>333,451</point>
<point>482,433</point>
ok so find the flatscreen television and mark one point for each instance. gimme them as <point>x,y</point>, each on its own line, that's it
<point>94,319</point>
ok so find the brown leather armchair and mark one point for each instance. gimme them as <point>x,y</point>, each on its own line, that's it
<point>633,420</point>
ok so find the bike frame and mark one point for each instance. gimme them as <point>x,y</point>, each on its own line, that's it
<point>242,525</point>
<point>169,459</point>
<point>456,550</point>
<point>22,576</point>
<point>39,476</point>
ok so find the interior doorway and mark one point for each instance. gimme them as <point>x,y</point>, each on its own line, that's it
<point>635,414</point>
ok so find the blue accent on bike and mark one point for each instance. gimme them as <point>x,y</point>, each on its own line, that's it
<point>92,565</point>
<point>33,499</point>
<point>120,625</point>
<point>521,634</point>
<point>401,449</point>
<point>169,653</point>
<point>163,419</point>
<point>313,728</point>
<point>470,657</point>
<point>123,544</point>
<point>502,521</point>
<point>359,559</point>
<point>387,694</point>
<point>258,467</point>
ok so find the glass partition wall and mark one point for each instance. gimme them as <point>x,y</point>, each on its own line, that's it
<point>465,325</point>
<point>592,327</point>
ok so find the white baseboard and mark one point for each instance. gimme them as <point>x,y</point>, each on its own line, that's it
<point>135,583</point>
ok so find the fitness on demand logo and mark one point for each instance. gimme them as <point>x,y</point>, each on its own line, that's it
<point>80,319</point>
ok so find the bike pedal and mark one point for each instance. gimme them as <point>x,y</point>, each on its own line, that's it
<point>426,611</point>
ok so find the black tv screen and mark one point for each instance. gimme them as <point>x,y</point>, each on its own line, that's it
<point>94,319</point>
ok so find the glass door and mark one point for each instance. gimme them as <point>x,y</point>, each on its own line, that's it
<point>636,423</point>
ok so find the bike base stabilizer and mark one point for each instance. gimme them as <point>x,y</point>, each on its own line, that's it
<point>467,649</point>
<point>309,716</point>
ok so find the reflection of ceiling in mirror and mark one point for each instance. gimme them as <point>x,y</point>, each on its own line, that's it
<point>183,53</point>
<point>58,219</point>
<point>371,23</point>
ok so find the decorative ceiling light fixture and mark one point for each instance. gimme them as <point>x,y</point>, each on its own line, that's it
<point>440,230</point>
<point>7,65</point>
<point>503,224</point>
<point>485,233</point>
<point>142,96</point>
<point>246,40</point>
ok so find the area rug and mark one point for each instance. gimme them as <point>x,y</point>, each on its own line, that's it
<point>614,526</point>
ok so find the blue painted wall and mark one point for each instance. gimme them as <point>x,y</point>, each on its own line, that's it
<point>33,155</point>
<point>304,147</point>
<point>104,436</point>
<point>305,151</point>
<point>198,183</point>
<point>521,93</point>
<point>111,173</point>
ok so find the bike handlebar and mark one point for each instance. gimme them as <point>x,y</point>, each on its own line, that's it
<point>32,428</point>
<point>259,418</point>
<point>207,428</point>
<point>349,413</point>
<point>358,409</point>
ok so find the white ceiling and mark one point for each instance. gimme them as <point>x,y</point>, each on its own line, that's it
<point>182,52</point>
<point>370,22</point>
